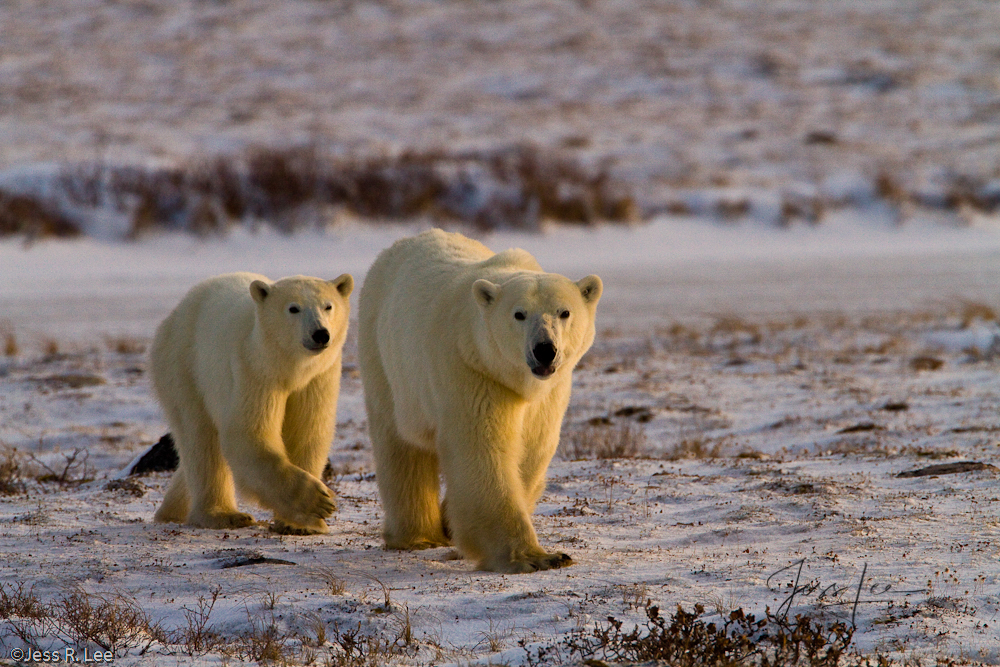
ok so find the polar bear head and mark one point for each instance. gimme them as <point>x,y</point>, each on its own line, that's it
<point>301,314</point>
<point>539,322</point>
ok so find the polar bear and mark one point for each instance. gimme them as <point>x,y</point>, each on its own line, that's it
<point>248,373</point>
<point>466,358</point>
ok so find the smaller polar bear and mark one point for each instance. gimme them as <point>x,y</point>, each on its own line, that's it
<point>467,359</point>
<point>248,374</point>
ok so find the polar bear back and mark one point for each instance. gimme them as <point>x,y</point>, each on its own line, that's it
<point>216,316</point>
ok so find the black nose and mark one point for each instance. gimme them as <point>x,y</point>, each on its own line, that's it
<point>321,336</point>
<point>544,353</point>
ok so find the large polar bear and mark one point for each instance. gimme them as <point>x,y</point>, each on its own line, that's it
<point>466,358</point>
<point>248,373</point>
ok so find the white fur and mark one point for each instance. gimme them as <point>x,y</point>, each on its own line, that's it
<point>249,404</point>
<point>449,387</point>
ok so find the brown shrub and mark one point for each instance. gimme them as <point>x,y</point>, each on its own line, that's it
<point>516,187</point>
<point>11,482</point>
<point>604,442</point>
<point>32,217</point>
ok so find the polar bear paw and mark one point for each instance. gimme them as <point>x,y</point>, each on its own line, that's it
<point>220,519</point>
<point>534,563</point>
<point>417,543</point>
<point>315,527</point>
<point>309,502</point>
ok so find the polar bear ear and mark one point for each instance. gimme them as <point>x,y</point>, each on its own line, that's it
<point>590,288</point>
<point>344,284</point>
<point>486,293</point>
<point>259,290</point>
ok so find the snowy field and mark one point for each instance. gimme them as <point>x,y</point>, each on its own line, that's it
<point>808,309</point>
<point>765,386</point>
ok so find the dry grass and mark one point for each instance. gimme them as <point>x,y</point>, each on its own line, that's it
<point>114,621</point>
<point>198,637</point>
<point>635,596</point>
<point>10,346</point>
<point>125,345</point>
<point>74,470</point>
<point>971,312</point>
<point>626,441</point>
<point>732,209</point>
<point>684,640</point>
<point>497,635</point>
<point>354,648</point>
<point>795,207</point>
<point>290,188</point>
<point>50,347</point>
<point>265,642</point>
<point>926,363</point>
<point>694,448</point>
<point>332,582</point>
<point>33,218</point>
<point>296,187</point>
<point>11,480</point>
<point>18,601</point>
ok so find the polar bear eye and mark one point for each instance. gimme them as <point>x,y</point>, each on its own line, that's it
<point>329,306</point>
<point>519,315</point>
<point>564,315</point>
<point>294,310</point>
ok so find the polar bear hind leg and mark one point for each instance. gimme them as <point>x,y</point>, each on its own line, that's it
<point>175,505</point>
<point>203,484</point>
<point>408,480</point>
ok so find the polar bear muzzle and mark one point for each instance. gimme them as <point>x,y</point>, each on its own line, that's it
<point>318,341</point>
<point>541,359</point>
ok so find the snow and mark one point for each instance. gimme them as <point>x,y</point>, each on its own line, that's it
<point>776,380</point>
<point>764,359</point>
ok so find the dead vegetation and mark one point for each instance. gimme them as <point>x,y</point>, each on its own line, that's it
<point>125,345</point>
<point>33,218</point>
<point>10,346</point>
<point>11,480</point>
<point>518,187</point>
<point>695,447</point>
<point>74,469</point>
<point>113,622</point>
<point>685,640</point>
<point>625,441</point>
<point>294,188</point>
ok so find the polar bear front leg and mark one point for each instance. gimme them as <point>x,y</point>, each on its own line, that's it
<point>253,447</point>
<point>488,506</point>
<point>307,432</point>
<point>310,422</point>
<point>542,424</point>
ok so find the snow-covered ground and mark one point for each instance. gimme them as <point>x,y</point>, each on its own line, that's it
<point>771,381</point>
<point>773,384</point>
